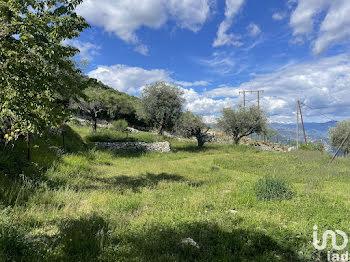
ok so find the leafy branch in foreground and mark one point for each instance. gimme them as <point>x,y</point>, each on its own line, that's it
<point>38,76</point>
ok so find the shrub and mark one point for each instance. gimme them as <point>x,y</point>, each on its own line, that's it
<point>272,189</point>
<point>120,125</point>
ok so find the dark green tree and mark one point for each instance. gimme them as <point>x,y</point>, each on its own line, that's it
<point>338,135</point>
<point>190,125</point>
<point>242,122</point>
<point>162,105</point>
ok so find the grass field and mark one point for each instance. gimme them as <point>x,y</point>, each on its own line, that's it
<point>93,205</point>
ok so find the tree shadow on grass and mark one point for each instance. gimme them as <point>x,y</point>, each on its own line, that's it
<point>135,183</point>
<point>215,244</point>
<point>82,239</point>
<point>125,153</point>
<point>190,148</point>
<point>18,178</point>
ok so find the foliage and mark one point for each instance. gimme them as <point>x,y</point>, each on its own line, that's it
<point>190,125</point>
<point>339,133</point>
<point>120,125</point>
<point>103,102</point>
<point>242,122</point>
<point>272,189</point>
<point>37,74</point>
<point>161,104</point>
<point>311,146</point>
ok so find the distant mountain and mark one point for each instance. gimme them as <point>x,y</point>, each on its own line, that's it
<point>315,132</point>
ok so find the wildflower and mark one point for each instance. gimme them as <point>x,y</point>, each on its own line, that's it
<point>12,128</point>
<point>12,134</point>
<point>6,136</point>
<point>10,138</point>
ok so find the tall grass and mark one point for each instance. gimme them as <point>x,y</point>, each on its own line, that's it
<point>96,205</point>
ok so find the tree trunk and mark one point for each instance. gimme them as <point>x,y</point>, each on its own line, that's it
<point>200,142</point>
<point>236,140</point>
<point>28,146</point>
<point>63,140</point>
<point>95,124</point>
<point>161,131</point>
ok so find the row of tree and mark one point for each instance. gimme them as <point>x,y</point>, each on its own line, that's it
<point>161,105</point>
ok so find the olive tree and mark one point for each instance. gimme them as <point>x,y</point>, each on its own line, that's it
<point>36,70</point>
<point>242,122</point>
<point>190,125</point>
<point>161,104</point>
<point>338,135</point>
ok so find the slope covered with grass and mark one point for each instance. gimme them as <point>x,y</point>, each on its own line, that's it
<point>93,205</point>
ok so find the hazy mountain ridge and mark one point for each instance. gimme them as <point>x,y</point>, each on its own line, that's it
<point>315,132</point>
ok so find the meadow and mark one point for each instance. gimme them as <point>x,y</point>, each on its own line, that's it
<point>96,205</point>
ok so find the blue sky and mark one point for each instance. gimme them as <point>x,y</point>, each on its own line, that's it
<point>293,49</point>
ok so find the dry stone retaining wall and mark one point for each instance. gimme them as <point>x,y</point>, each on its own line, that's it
<point>162,147</point>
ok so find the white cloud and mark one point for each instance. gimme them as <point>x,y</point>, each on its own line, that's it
<point>128,79</point>
<point>125,17</point>
<point>203,105</point>
<point>278,16</point>
<point>253,30</point>
<point>210,119</point>
<point>333,30</point>
<point>302,18</point>
<point>220,62</point>
<point>87,49</point>
<point>189,84</point>
<point>321,84</point>
<point>223,37</point>
<point>142,49</point>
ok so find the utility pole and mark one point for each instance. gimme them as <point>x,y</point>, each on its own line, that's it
<point>252,91</point>
<point>298,124</point>
<point>302,122</point>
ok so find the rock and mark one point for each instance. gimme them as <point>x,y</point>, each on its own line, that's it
<point>132,130</point>
<point>232,211</point>
<point>162,147</point>
<point>56,150</point>
<point>290,149</point>
<point>189,242</point>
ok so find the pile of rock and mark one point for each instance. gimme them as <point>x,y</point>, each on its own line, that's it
<point>162,147</point>
<point>132,130</point>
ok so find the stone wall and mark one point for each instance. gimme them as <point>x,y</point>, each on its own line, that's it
<point>162,147</point>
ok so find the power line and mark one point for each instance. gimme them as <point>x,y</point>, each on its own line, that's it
<point>319,112</point>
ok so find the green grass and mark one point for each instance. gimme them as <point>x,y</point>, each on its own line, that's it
<point>94,205</point>
<point>109,135</point>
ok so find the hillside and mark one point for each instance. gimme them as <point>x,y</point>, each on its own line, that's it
<point>95,205</point>
<point>315,132</point>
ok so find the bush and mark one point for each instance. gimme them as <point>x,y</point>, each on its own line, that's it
<point>272,189</point>
<point>120,125</point>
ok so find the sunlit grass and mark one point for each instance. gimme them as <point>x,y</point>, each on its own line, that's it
<point>92,205</point>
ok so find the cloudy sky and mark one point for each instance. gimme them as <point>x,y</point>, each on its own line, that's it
<point>292,49</point>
